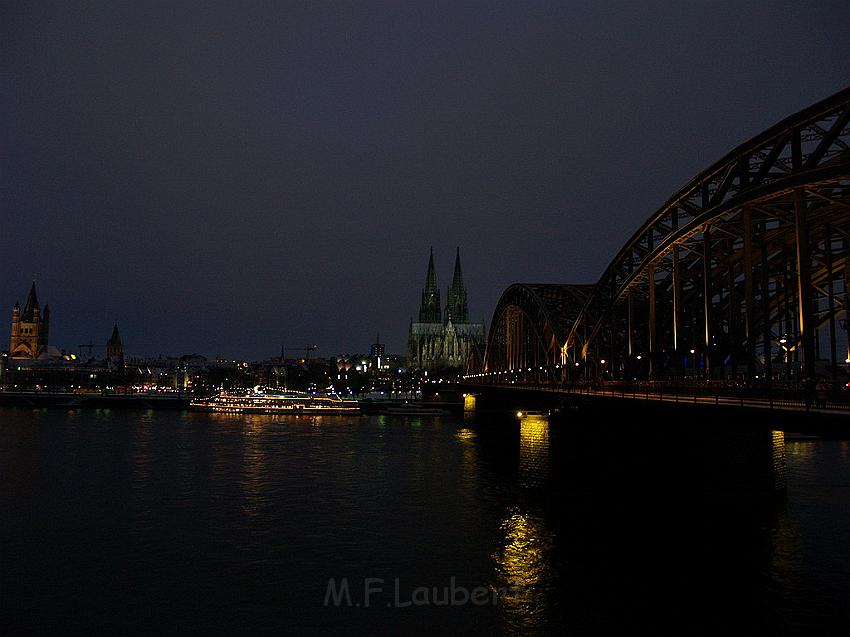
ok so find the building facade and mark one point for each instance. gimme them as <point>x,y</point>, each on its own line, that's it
<point>29,328</point>
<point>443,338</point>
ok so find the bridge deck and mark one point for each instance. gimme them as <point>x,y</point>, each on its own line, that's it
<point>834,403</point>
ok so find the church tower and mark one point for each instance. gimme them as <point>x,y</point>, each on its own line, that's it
<point>457,310</point>
<point>29,328</point>
<point>429,310</point>
<point>115,350</point>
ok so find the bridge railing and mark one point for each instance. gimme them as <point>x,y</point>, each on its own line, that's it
<point>773,395</point>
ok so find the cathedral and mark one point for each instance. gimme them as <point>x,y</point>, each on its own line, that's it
<point>443,339</point>
<point>29,328</point>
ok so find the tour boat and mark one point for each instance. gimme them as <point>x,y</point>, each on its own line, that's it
<point>260,401</point>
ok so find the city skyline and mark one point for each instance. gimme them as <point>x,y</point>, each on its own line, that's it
<point>93,342</point>
<point>219,179</point>
<point>442,318</point>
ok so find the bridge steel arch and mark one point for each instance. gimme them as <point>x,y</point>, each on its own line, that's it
<point>529,328</point>
<point>743,273</point>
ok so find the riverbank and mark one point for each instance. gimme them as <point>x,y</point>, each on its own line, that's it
<point>69,400</point>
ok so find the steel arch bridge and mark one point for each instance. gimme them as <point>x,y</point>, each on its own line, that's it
<point>529,327</point>
<point>743,273</point>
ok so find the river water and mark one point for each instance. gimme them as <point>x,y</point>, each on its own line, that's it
<point>155,522</point>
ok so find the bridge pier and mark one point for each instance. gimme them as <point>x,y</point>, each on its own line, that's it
<point>470,401</point>
<point>533,448</point>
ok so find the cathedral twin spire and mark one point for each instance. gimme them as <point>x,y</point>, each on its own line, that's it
<point>457,310</point>
<point>429,310</point>
<point>443,338</point>
<point>456,306</point>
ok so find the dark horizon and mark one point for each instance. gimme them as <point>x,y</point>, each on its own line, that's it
<point>221,179</point>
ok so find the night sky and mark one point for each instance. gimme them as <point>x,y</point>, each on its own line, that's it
<point>223,176</point>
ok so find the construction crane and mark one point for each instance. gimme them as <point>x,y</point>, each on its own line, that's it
<point>90,345</point>
<point>308,349</point>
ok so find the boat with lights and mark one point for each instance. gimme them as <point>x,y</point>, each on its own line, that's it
<point>273,401</point>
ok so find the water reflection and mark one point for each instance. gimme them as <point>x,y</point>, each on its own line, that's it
<point>469,460</point>
<point>524,571</point>
<point>142,456</point>
<point>809,558</point>
<point>590,526</point>
<point>466,435</point>
<point>523,560</point>
<point>253,463</point>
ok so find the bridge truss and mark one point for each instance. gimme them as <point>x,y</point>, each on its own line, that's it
<point>743,273</point>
